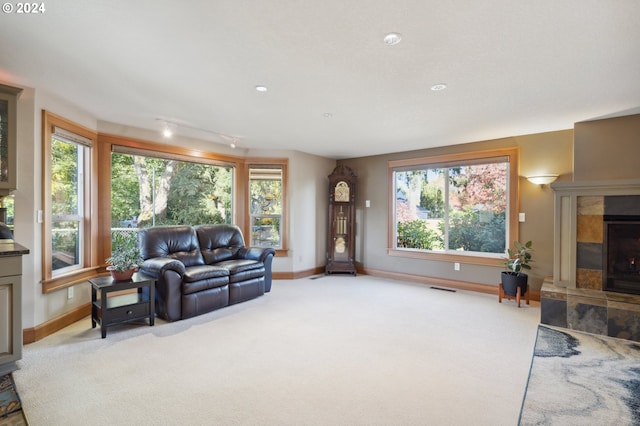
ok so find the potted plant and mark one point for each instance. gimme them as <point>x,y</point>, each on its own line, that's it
<point>125,257</point>
<point>518,260</point>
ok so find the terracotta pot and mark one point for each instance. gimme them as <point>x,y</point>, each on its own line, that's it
<point>121,276</point>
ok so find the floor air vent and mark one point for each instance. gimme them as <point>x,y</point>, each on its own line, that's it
<point>443,289</point>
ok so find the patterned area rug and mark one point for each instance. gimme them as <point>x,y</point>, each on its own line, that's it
<point>582,379</point>
<point>10,407</point>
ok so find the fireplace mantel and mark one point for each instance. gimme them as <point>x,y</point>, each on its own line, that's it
<point>566,197</point>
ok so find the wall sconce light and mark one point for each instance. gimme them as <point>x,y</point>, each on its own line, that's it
<point>542,179</point>
<point>233,144</point>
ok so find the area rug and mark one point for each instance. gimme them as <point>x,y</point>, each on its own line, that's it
<point>10,407</point>
<point>582,379</point>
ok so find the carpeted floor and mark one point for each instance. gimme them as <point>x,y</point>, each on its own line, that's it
<point>336,350</point>
<point>582,379</point>
<point>10,407</point>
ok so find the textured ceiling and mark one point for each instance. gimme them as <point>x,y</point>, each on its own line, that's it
<point>512,67</point>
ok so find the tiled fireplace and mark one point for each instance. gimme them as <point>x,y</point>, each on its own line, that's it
<point>596,282</point>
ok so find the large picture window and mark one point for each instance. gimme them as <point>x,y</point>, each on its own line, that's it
<point>460,205</point>
<point>166,189</point>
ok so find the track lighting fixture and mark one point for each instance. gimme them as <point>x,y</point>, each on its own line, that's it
<point>169,127</point>
<point>167,132</point>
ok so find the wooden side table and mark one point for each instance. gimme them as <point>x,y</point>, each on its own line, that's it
<point>118,309</point>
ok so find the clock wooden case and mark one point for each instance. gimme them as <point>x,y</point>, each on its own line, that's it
<point>341,243</point>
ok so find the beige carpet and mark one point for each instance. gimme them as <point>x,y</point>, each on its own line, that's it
<point>336,350</point>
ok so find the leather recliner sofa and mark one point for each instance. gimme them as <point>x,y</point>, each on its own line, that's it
<point>202,268</point>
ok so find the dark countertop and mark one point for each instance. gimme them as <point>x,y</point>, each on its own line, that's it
<point>11,248</point>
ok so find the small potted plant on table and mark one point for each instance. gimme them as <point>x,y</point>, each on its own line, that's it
<point>513,280</point>
<point>125,257</point>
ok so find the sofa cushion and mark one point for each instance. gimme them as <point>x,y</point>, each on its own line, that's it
<point>201,278</point>
<point>219,242</point>
<point>203,272</point>
<point>242,269</point>
<point>176,242</point>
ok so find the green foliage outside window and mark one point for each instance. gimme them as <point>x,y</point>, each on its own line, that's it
<point>149,191</point>
<point>416,234</point>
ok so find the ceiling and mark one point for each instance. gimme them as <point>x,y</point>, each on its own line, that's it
<point>511,68</point>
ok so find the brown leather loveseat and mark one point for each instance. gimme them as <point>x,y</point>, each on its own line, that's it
<point>202,268</point>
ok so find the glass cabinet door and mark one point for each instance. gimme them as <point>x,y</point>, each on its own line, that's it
<point>4,141</point>
<point>8,138</point>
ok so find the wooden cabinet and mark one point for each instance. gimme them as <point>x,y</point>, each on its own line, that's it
<point>10,311</point>
<point>341,244</point>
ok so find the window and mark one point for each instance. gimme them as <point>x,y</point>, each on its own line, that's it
<point>67,204</point>
<point>265,188</point>
<point>68,166</point>
<point>455,205</point>
<point>266,194</point>
<point>163,189</point>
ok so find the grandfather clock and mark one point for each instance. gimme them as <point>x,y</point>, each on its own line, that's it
<point>341,244</point>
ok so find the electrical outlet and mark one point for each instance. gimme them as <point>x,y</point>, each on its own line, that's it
<point>456,266</point>
<point>69,293</point>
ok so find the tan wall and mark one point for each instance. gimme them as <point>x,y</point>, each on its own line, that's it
<point>540,153</point>
<point>607,149</point>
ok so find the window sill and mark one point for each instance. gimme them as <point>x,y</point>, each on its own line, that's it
<point>67,280</point>
<point>489,260</point>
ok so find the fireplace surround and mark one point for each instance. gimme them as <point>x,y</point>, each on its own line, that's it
<point>596,281</point>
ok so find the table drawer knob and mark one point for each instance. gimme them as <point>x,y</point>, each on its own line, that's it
<point>129,312</point>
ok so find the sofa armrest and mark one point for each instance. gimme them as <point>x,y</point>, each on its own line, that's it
<point>264,255</point>
<point>256,253</point>
<point>157,266</point>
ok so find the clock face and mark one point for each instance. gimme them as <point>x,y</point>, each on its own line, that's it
<point>341,192</point>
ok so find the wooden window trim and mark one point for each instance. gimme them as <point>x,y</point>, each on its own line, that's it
<point>514,203</point>
<point>284,163</point>
<point>90,244</point>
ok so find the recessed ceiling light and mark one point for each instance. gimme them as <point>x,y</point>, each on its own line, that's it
<point>392,38</point>
<point>327,115</point>
<point>438,87</point>
<point>261,88</point>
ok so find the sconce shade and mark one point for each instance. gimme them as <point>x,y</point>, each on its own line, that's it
<point>542,179</point>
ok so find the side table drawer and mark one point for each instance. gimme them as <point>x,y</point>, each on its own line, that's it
<point>125,313</point>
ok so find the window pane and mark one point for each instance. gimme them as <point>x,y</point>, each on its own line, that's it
<point>149,191</point>
<point>420,209</point>
<point>65,249</point>
<point>477,207</point>
<point>66,204</point>
<point>457,208</point>
<point>265,185</point>
<point>65,171</point>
